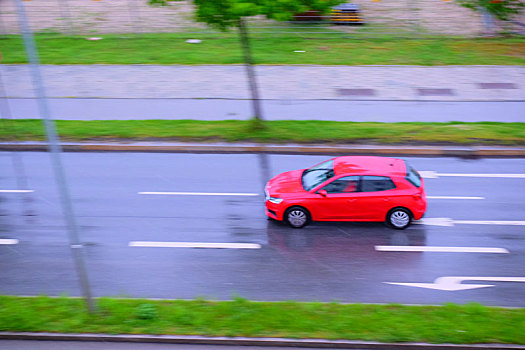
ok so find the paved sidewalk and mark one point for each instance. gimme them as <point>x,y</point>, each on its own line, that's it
<point>385,83</point>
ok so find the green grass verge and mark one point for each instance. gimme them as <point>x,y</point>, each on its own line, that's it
<point>268,49</point>
<point>308,131</point>
<point>450,323</point>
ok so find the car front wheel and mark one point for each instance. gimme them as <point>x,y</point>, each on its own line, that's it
<point>399,218</point>
<point>297,217</point>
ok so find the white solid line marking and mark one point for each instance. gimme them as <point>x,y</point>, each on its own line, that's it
<point>194,245</point>
<point>7,241</point>
<point>17,191</point>
<point>430,174</point>
<point>450,222</point>
<point>453,197</point>
<point>388,248</point>
<point>490,222</point>
<point>202,194</point>
<point>516,176</point>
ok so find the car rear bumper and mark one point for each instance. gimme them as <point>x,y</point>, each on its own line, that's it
<point>419,211</point>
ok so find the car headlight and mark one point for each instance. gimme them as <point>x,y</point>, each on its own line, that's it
<point>275,200</point>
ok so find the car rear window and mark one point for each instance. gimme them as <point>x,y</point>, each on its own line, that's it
<point>376,183</point>
<point>413,176</point>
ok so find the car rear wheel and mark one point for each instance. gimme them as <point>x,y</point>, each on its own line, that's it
<point>297,217</point>
<point>399,218</point>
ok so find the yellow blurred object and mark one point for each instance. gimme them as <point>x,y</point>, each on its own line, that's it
<point>346,14</point>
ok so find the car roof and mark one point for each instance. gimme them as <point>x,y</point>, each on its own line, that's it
<point>363,165</point>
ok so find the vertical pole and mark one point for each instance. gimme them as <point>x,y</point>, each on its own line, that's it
<point>65,13</point>
<point>55,150</point>
<point>413,15</point>
<point>134,16</point>
<point>2,27</point>
<point>248,63</point>
<point>264,164</point>
<point>488,21</point>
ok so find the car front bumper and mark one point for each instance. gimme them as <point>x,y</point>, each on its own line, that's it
<point>274,211</point>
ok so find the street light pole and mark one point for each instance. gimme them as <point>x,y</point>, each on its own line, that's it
<point>55,150</point>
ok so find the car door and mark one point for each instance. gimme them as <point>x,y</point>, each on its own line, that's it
<point>373,199</point>
<point>338,202</point>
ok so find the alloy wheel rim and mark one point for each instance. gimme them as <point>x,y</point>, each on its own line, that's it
<point>297,217</point>
<point>399,218</point>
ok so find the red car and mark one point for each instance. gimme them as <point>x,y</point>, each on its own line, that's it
<point>355,188</point>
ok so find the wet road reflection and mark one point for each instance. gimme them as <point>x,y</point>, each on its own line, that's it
<point>338,240</point>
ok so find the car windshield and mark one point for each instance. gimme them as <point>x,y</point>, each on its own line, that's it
<point>317,174</point>
<point>413,176</point>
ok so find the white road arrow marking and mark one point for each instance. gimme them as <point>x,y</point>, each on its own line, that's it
<point>430,174</point>
<point>8,241</point>
<point>146,244</point>
<point>392,248</point>
<point>451,222</point>
<point>453,283</point>
<point>201,194</point>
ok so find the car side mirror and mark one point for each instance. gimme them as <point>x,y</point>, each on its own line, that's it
<point>322,193</point>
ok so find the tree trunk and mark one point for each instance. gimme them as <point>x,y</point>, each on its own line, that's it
<point>248,63</point>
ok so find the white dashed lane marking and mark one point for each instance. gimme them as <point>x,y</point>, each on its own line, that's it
<point>388,248</point>
<point>16,191</point>
<point>454,197</point>
<point>256,194</point>
<point>201,194</point>
<point>6,241</point>
<point>452,222</point>
<point>429,174</point>
<point>148,244</point>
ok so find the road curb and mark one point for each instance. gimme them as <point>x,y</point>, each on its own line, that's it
<point>242,341</point>
<point>421,151</point>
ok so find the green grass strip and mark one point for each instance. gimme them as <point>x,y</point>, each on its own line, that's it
<point>450,323</point>
<point>269,48</point>
<point>308,131</point>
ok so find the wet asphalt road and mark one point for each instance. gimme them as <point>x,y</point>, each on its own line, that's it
<point>324,261</point>
<point>220,109</point>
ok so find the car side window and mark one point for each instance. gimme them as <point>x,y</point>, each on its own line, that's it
<point>376,183</point>
<point>345,184</point>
